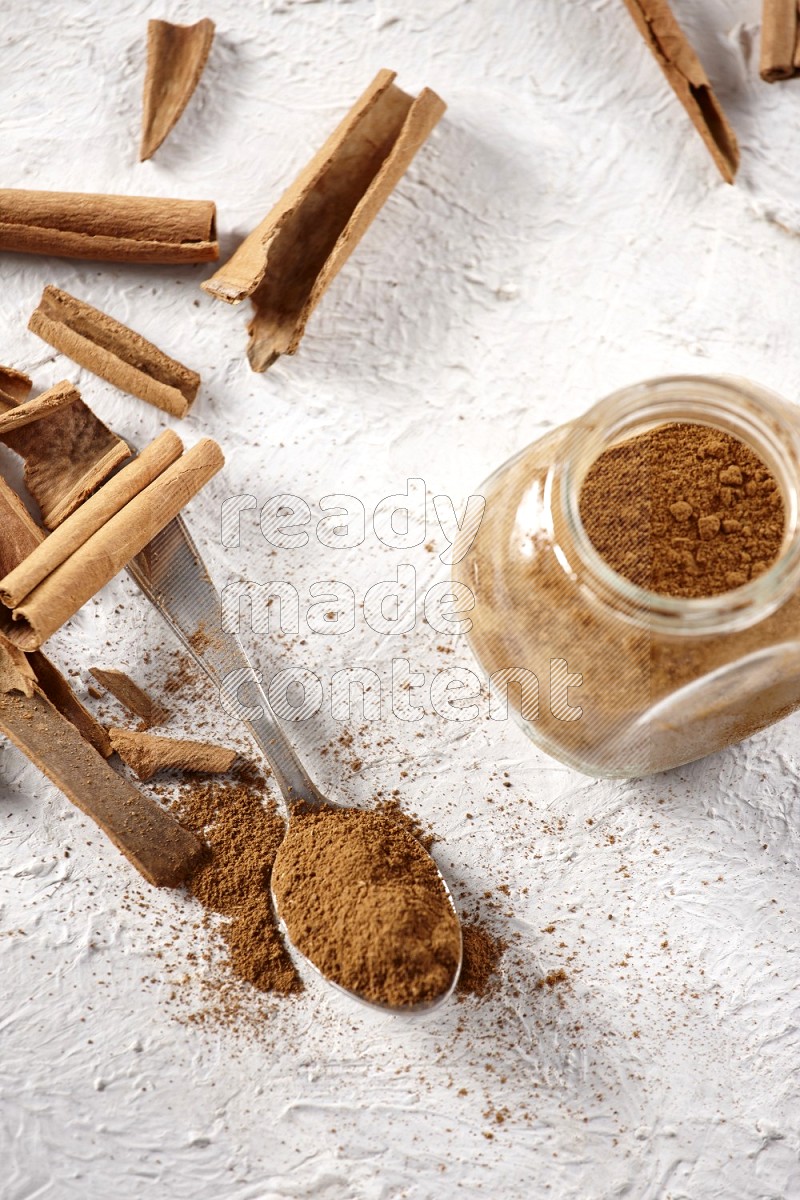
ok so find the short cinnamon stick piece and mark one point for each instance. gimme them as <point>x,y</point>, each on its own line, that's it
<point>19,533</point>
<point>15,386</point>
<point>109,228</point>
<point>131,696</point>
<point>49,402</point>
<point>114,352</point>
<point>61,696</point>
<point>176,58</point>
<point>288,261</point>
<point>153,841</point>
<point>779,40</point>
<point>105,553</point>
<point>92,515</point>
<point>68,454</point>
<point>146,754</point>
<point>685,74</point>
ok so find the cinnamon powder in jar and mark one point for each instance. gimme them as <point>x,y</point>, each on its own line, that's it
<point>684,510</point>
<point>364,902</point>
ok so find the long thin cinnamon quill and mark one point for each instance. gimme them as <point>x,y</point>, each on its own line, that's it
<point>176,57</point>
<point>105,553</point>
<point>780,40</point>
<point>289,260</point>
<point>114,352</point>
<point>154,842</point>
<point>684,71</point>
<point>92,515</point>
<point>112,228</point>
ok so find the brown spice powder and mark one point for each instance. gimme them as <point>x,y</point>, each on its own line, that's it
<point>482,953</point>
<point>364,902</point>
<point>684,510</point>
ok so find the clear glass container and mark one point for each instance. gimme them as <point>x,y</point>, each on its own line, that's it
<point>606,676</point>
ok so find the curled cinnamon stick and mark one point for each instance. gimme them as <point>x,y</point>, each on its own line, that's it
<point>44,405</point>
<point>90,517</point>
<point>674,54</point>
<point>15,386</point>
<point>146,754</point>
<point>114,352</point>
<point>161,849</point>
<point>131,696</point>
<point>93,564</point>
<point>289,260</point>
<point>176,58</point>
<point>780,49</point>
<point>19,533</point>
<point>111,228</point>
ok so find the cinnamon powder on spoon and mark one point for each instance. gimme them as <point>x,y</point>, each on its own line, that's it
<point>364,902</point>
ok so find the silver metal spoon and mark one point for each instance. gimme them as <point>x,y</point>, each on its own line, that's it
<point>174,579</point>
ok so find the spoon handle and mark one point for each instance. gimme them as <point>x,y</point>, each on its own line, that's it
<point>173,577</point>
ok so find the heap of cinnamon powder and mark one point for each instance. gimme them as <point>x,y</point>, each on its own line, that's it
<point>364,902</point>
<point>684,510</point>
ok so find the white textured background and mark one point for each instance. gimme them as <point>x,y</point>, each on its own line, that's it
<point>563,233</point>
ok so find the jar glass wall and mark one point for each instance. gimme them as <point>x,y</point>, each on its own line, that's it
<point>604,675</point>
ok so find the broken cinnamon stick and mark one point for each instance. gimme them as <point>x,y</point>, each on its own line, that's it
<point>153,841</point>
<point>176,58</point>
<point>146,754</point>
<point>19,533</point>
<point>44,405</point>
<point>114,352</point>
<point>68,455</point>
<point>684,71</point>
<point>288,261</point>
<point>131,696</point>
<point>15,386</point>
<point>110,228</point>
<point>93,514</point>
<point>779,40</point>
<point>61,696</point>
<point>92,565</point>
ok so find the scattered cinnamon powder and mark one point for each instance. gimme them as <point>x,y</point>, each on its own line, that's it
<point>684,510</point>
<point>243,831</point>
<point>482,953</point>
<point>365,903</point>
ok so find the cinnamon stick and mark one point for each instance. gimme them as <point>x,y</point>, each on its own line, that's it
<point>44,405</point>
<point>19,533</point>
<point>61,696</point>
<point>15,386</point>
<point>683,69</point>
<point>153,841</point>
<point>93,564</point>
<point>111,228</point>
<point>779,40</point>
<point>176,58</point>
<point>92,515</point>
<point>131,696</point>
<point>114,352</point>
<point>146,754</point>
<point>290,259</point>
<point>67,456</point>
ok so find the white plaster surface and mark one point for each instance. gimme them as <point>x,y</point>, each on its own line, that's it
<point>564,232</point>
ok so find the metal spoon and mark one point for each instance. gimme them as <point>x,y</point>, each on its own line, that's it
<point>174,579</point>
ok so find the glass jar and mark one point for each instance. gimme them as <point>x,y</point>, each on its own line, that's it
<point>602,674</point>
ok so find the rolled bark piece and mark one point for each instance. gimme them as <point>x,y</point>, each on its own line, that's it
<point>110,228</point>
<point>61,696</point>
<point>146,754</point>
<point>290,259</point>
<point>49,402</point>
<point>15,386</point>
<point>779,40</point>
<point>19,533</point>
<point>69,586</point>
<point>92,515</point>
<point>67,456</point>
<point>176,58</point>
<point>114,352</point>
<point>131,696</point>
<point>161,849</point>
<point>683,69</point>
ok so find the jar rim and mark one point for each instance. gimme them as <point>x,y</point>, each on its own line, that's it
<point>753,414</point>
